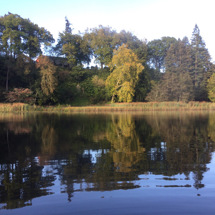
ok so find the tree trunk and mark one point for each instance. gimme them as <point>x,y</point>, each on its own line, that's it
<point>7,78</point>
<point>112,99</point>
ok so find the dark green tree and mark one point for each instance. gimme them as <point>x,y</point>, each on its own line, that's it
<point>136,45</point>
<point>202,65</point>
<point>157,51</point>
<point>176,84</point>
<point>102,42</point>
<point>20,36</point>
<point>73,46</point>
<point>68,28</point>
<point>211,88</point>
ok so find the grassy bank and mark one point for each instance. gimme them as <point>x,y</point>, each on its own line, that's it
<point>147,106</point>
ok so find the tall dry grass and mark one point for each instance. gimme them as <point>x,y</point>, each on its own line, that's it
<point>117,107</point>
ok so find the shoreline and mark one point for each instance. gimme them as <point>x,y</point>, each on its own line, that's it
<point>115,107</point>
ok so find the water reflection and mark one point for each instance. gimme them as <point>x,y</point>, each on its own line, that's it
<point>101,153</point>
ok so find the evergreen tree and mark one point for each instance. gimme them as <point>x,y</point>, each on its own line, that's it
<point>202,65</point>
<point>73,46</point>
<point>176,84</point>
<point>157,51</point>
<point>68,29</point>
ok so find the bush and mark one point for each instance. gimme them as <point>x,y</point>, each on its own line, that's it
<point>23,95</point>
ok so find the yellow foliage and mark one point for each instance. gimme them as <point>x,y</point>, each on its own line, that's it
<point>47,70</point>
<point>98,81</point>
<point>126,69</point>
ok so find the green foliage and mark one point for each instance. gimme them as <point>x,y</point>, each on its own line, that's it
<point>99,94</point>
<point>137,46</point>
<point>73,46</point>
<point>143,85</point>
<point>157,51</point>
<point>22,36</point>
<point>102,43</point>
<point>94,89</point>
<point>202,65</point>
<point>177,82</point>
<point>164,69</point>
<point>211,88</point>
<point>19,37</point>
<point>66,92</point>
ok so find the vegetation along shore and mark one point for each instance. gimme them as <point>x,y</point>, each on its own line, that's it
<point>101,66</point>
<point>108,108</point>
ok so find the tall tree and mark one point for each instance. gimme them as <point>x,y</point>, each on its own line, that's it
<point>123,79</point>
<point>102,44</point>
<point>136,45</point>
<point>18,36</point>
<point>35,38</point>
<point>47,71</point>
<point>73,46</point>
<point>157,51</point>
<point>68,28</point>
<point>10,39</point>
<point>139,48</point>
<point>176,84</point>
<point>202,65</point>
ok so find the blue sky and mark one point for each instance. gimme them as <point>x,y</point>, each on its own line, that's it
<point>147,19</point>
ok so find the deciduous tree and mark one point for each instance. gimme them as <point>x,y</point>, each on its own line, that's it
<point>123,79</point>
<point>102,42</point>
<point>20,36</point>
<point>73,46</point>
<point>47,71</point>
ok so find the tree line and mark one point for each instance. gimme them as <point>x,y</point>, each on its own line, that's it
<point>36,70</point>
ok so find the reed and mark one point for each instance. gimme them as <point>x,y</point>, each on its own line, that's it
<point>118,107</point>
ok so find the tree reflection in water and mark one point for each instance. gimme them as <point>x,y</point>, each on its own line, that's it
<point>100,152</point>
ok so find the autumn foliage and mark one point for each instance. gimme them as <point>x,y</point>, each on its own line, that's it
<point>47,71</point>
<point>20,95</point>
<point>123,79</point>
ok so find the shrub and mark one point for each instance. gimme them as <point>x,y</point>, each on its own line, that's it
<point>24,95</point>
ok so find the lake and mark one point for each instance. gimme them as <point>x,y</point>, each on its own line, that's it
<point>127,163</point>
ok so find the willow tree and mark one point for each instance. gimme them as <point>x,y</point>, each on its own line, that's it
<point>47,71</point>
<point>126,68</point>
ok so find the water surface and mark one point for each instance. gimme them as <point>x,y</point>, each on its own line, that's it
<point>154,163</point>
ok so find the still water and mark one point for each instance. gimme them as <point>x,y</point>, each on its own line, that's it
<point>154,163</point>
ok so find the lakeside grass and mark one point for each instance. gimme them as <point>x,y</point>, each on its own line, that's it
<point>115,107</point>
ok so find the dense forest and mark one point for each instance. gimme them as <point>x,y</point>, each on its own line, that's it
<point>36,69</point>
